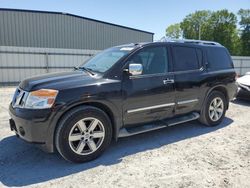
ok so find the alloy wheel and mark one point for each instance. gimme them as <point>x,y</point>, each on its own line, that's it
<point>216,109</point>
<point>86,136</point>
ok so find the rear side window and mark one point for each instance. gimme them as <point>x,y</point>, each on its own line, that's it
<point>186,58</point>
<point>218,59</point>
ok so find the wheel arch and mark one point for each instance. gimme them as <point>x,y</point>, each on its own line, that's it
<point>105,108</point>
<point>220,88</point>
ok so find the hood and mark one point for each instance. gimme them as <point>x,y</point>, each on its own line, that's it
<point>245,80</point>
<point>61,80</point>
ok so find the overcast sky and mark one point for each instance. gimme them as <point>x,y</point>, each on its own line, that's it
<point>149,15</point>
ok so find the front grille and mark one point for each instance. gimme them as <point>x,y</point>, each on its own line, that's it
<point>19,98</point>
<point>12,125</point>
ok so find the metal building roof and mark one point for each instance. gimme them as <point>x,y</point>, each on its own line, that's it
<point>45,29</point>
<point>77,16</point>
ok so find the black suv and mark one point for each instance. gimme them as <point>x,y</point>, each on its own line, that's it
<point>123,91</point>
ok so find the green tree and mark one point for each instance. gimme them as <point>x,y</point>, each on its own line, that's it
<point>223,29</point>
<point>245,31</point>
<point>174,31</point>
<point>219,26</point>
<point>193,24</point>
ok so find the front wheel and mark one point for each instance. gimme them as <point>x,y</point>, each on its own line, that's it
<point>83,134</point>
<point>214,109</point>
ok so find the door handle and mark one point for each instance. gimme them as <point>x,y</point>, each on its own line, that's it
<point>168,81</point>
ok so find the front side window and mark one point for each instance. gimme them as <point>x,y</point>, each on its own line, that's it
<point>154,60</point>
<point>185,58</point>
<point>106,59</point>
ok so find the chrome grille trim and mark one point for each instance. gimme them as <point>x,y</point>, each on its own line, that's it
<point>19,98</point>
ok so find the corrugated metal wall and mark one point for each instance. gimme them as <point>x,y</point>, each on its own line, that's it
<point>58,30</point>
<point>37,42</point>
<point>18,63</point>
<point>241,64</point>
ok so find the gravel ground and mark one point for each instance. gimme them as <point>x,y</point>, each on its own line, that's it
<point>187,155</point>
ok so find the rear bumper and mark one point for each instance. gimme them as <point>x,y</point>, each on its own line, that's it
<point>243,94</point>
<point>32,126</point>
<point>232,91</point>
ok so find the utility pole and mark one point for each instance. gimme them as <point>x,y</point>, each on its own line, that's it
<point>199,29</point>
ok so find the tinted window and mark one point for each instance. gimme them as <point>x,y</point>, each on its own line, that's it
<point>154,60</point>
<point>218,59</point>
<point>185,58</point>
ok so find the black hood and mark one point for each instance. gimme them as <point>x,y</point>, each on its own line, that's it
<point>57,81</point>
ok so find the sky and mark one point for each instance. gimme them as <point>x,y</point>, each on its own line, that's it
<point>149,15</point>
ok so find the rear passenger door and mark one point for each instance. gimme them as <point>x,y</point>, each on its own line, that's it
<point>188,71</point>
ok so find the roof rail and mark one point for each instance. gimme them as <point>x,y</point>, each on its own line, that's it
<point>165,39</point>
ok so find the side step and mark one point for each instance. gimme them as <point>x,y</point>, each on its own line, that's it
<point>124,132</point>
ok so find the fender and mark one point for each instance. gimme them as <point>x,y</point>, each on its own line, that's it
<point>116,120</point>
<point>213,88</point>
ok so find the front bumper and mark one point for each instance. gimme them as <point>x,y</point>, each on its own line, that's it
<point>32,126</point>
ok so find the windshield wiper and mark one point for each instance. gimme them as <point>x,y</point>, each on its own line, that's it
<point>90,71</point>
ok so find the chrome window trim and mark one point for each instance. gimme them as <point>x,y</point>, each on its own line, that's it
<point>148,75</point>
<point>150,107</point>
<point>187,101</point>
<point>166,73</point>
<point>189,71</point>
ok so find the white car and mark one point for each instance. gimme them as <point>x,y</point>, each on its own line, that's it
<point>244,86</point>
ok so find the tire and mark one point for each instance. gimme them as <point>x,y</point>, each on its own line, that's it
<point>206,116</point>
<point>83,134</point>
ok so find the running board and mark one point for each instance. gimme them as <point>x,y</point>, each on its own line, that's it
<point>124,132</point>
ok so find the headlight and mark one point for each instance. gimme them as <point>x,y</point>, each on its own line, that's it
<point>40,99</point>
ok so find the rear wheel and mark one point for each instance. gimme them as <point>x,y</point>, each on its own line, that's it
<point>214,109</point>
<point>83,134</point>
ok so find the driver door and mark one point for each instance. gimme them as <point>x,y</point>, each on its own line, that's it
<point>149,96</point>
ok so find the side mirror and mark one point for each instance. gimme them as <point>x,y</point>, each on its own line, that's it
<point>135,69</point>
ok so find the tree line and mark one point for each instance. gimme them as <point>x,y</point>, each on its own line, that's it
<point>221,26</point>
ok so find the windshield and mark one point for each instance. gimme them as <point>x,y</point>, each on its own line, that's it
<point>106,59</point>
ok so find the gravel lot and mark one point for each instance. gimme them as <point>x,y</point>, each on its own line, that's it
<point>187,155</point>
